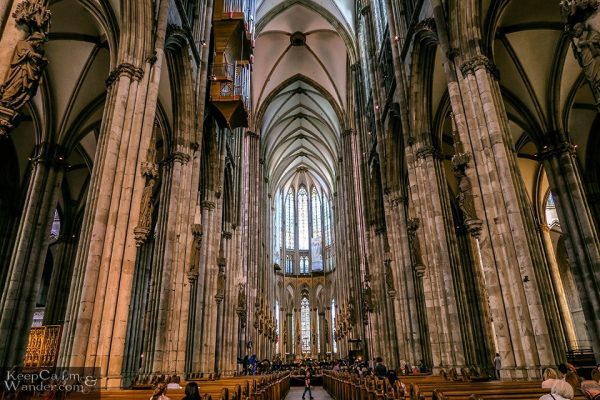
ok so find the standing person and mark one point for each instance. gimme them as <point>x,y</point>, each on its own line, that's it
<point>252,364</point>
<point>380,369</point>
<point>307,385</point>
<point>497,365</point>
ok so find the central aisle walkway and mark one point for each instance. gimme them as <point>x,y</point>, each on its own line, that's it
<point>317,391</point>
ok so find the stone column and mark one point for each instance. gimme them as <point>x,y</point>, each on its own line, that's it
<point>431,201</point>
<point>64,256</point>
<point>419,270</point>
<point>29,253</point>
<point>400,283</point>
<point>101,290</point>
<point>581,236</point>
<point>524,313</point>
<point>566,319</point>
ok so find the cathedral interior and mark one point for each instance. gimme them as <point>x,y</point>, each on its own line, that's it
<point>186,183</point>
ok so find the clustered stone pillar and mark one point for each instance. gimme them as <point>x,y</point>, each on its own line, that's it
<point>251,156</point>
<point>582,243</point>
<point>26,265</point>
<point>431,202</point>
<point>96,324</point>
<point>514,265</point>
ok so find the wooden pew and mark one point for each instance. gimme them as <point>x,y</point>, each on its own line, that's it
<point>349,386</point>
<point>267,387</point>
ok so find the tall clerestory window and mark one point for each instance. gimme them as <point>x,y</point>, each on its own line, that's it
<point>305,325</point>
<point>290,236</point>
<point>333,324</point>
<point>303,219</point>
<point>277,324</point>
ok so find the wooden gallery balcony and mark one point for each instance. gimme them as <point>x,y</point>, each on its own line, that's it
<point>230,93</point>
<point>233,29</point>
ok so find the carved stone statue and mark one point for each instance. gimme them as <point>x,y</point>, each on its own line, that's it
<point>220,284</point>
<point>465,194</point>
<point>580,16</point>
<point>587,49</point>
<point>241,300</point>
<point>26,68</point>
<point>413,239</point>
<point>142,230</point>
<point>389,277</point>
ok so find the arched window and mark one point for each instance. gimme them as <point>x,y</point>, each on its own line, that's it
<point>289,220</point>
<point>316,213</point>
<point>304,265</point>
<point>277,230</point>
<point>303,219</point>
<point>277,323</point>
<point>304,226</point>
<point>305,325</point>
<point>327,221</point>
<point>551,213</point>
<point>333,325</point>
<point>55,230</point>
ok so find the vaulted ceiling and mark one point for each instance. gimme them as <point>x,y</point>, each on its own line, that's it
<point>303,49</point>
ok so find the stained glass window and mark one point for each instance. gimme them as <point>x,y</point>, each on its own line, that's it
<point>304,265</point>
<point>333,325</point>
<point>316,213</point>
<point>305,325</point>
<point>289,264</point>
<point>327,221</point>
<point>289,220</point>
<point>303,241</point>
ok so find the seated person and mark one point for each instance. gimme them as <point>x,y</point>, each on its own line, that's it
<point>550,377</point>
<point>561,390</point>
<point>591,388</point>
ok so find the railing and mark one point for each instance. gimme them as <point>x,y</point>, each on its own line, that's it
<point>233,81</point>
<point>247,7</point>
<point>223,72</point>
<point>242,83</point>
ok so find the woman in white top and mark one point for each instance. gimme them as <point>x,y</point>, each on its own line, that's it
<point>561,390</point>
<point>550,375</point>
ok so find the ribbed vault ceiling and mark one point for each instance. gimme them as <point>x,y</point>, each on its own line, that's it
<point>299,85</point>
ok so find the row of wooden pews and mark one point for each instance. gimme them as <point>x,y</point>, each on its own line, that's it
<point>260,387</point>
<point>346,386</point>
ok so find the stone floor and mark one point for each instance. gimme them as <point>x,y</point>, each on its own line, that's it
<point>317,391</point>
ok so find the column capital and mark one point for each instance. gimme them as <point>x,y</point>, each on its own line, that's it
<point>126,69</point>
<point>555,150</point>
<point>478,62</point>
<point>427,151</point>
<point>178,156</point>
<point>251,134</point>
<point>50,154</point>
<point>208,205</point>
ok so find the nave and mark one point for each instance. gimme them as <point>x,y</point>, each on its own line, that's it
<point>200,189</point>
